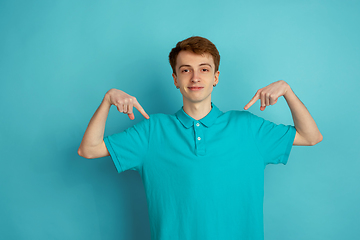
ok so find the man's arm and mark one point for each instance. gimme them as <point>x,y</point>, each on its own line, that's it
<point>92,144</point>
<point>307,133</point>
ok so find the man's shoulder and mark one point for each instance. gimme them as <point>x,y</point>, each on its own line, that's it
<point>161,118</point>
<point>231,114</point>
<point>234,118</point>
<point>154,121</point>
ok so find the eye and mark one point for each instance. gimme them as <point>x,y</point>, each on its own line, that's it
<point>205,70</point>
<point>185,70</point>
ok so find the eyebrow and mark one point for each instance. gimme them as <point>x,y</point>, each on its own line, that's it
<point>202,64</point>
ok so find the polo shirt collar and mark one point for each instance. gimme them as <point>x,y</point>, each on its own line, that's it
<point>207,121</point>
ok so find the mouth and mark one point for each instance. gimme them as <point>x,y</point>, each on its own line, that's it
<point>195,88</point>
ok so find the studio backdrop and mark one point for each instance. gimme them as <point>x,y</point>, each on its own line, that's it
<point>59,58</point>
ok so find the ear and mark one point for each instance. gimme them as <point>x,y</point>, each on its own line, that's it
<point>216,77</point>
<point>175,80</point>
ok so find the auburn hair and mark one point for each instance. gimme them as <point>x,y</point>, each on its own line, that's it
<point>197,45</point>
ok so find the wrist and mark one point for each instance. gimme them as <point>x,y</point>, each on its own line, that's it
<point>107,98</point>
<point>288,90</point>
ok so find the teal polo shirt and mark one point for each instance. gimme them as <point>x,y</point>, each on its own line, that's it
<point>204,179</point>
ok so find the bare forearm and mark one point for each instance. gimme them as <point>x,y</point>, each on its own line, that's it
<point>94,134</point>
<point>306,128</point>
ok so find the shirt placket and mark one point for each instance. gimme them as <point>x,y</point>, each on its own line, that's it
<point>199,138</point>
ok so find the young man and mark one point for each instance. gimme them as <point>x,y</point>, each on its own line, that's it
<point>202,169</point>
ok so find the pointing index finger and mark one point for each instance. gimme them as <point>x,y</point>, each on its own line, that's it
<point>140,109</point>
<point>252,101</point>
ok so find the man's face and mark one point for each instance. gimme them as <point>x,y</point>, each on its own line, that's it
<point>195,76</point>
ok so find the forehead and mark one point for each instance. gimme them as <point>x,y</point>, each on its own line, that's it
<point>193,59</point>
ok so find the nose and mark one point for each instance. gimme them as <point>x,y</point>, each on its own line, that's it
<point>196,77</point>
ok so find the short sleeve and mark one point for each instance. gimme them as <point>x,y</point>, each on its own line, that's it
<point>128,148</point>
<point>274,141</point>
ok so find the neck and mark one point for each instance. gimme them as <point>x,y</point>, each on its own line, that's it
<point>197,110</point>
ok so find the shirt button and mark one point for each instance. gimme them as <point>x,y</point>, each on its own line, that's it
<point>198,124</point>
<point>199,138</point>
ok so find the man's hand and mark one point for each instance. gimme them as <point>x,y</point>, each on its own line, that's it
<point>307,133</point>
<point>269,94</point>
<point>125,103</point>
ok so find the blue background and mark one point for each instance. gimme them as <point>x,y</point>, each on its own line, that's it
<point>58,59</point>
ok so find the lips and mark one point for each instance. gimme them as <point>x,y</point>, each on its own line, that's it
<point>195,88</point>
